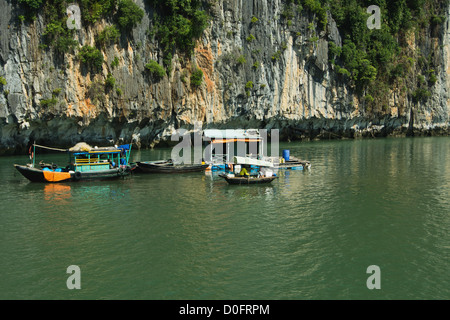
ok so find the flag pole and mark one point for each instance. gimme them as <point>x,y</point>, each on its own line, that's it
<point>34,153</point>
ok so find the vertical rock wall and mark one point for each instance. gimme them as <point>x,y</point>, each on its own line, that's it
<point>286,82</point>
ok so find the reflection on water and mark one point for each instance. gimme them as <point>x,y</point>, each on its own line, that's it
<point>57,193</point>
<point>61,194</point>
<point>308,235</point>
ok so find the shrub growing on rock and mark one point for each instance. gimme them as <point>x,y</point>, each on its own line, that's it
<point>155,69</point>
<point>91,57</point>
<point>129,14</point>
<point>197,77</point>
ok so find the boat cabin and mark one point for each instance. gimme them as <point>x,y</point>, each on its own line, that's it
<point>98,159</point>
<point>223,145</point>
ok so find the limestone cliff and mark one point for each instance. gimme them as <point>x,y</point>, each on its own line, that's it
<point>286,82</point>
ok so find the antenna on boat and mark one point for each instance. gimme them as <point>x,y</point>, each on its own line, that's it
<point>33,155</point>
<point>129,153</point>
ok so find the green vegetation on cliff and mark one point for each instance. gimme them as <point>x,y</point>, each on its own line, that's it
<point>155,69</point>
<point>196,77</point>
<point>91,56</point>
<point>94,10</point>
<point>373,61</point>
<point>178,23</point>
<point>123,13</point>
<point>109,35</point>
<point>128,14</point>
<point>381,59</point>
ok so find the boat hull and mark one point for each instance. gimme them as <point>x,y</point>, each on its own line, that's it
<point>39,175</point>
<point>110,174</point>
<point>299,165</point>
<point>32,174</point>
<point>244,180</point>
<point>170,168</point>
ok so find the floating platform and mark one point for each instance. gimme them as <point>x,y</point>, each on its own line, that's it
<point>294,164</point>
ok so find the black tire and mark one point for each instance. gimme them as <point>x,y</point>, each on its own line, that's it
<point>77,176</point>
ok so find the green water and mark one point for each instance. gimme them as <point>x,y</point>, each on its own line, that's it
<point>309,235</point>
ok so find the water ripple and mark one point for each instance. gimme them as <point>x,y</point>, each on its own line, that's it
<point>309,235</point>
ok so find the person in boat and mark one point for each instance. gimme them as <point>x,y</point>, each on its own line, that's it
<point>261,174</point>
<point>244,172</point>
<point>70,167</point>
<point>112,164</point>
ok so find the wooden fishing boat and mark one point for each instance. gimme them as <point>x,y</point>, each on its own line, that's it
<point>84,164</point>
<point>65,175</point>
<point>247,180</point>
<point>135,168</point>
<point>265,174</point>
<point>170,167</point>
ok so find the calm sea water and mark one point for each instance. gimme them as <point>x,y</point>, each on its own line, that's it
<point>309,235</point>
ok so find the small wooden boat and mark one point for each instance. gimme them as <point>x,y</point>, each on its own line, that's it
<point>84,164</point>
<point>247,180</point>
<point>169,167</point>
<point>265,174</point>
<point>135,168</point>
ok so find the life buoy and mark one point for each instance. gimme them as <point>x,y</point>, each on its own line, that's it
<point>230,166</point>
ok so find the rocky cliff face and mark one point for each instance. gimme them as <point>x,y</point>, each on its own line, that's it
<point>286,82</point>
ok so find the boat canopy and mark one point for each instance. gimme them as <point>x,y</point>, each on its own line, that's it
<point>232,134</point>
<point>84,149</point>
<point>252,161</point>
<point>236,140</point>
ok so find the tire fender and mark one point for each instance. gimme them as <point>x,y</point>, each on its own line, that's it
<point>77,175</point>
